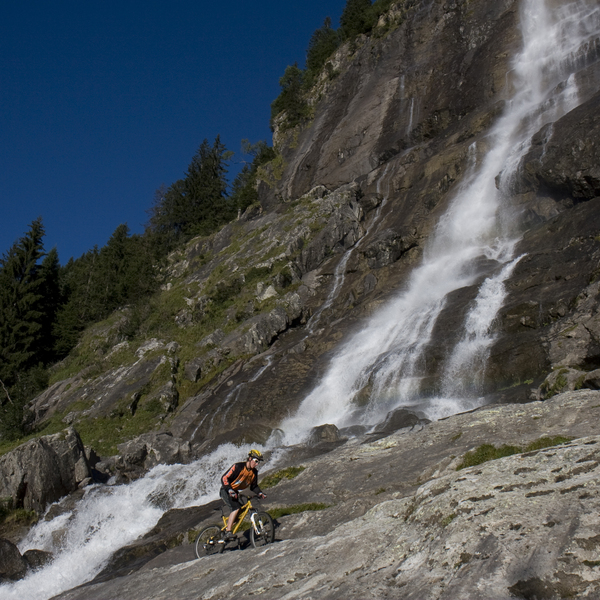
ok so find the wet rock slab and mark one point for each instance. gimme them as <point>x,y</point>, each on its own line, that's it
<point>402,519</point>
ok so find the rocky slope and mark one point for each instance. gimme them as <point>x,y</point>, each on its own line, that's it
<point>250,318</point>
<point>402,519</point>
<point>257,310</point>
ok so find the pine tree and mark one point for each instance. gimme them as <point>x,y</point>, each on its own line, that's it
<point>357,17</point>
<point>24,309</point>
<point>21,304</point>
<point>197,204</point>
<point>323,43</point>
<point>49,276</point>
<point>291,99</point>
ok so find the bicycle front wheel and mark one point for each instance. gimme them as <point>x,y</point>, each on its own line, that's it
<point>266,530</point>
<point>209,541</point>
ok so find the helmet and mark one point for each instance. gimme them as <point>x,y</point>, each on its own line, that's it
<point>256,455</point>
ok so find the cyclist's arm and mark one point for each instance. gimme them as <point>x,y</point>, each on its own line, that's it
<point>254,487</point>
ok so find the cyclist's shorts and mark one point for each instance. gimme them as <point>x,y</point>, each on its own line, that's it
<point>229,501</point>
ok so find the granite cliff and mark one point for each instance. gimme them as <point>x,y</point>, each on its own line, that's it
<point>428,239</point>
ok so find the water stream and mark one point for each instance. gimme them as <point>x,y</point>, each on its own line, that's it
<point>382,363</point>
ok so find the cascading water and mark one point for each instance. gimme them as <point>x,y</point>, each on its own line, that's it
<point>383,360</point>
<point>385,356</point>
<point>110,517</point>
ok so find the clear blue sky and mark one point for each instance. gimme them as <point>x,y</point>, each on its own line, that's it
<point>102,102</point>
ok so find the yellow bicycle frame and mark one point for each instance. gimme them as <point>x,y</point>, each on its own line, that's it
<point>241,516</point>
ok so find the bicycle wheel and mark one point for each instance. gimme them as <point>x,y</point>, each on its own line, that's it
<point>266,530</point>
<point>207,542</point>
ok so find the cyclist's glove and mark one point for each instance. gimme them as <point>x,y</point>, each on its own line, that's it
<point>233,494</point>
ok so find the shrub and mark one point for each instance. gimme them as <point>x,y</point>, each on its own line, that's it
<point>487,452</point>
<point>274,478</point>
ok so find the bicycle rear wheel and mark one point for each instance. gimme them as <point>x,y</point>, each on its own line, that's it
<point>266,530</point>
<point>209,541</point>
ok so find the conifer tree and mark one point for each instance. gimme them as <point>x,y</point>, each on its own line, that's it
<point>357,17</point>
<point>21,306</point>
<point>24,309</point>
<point>291,99</point>
<point>323,43</point>
<point>51,299</point>
<point>198,203</point>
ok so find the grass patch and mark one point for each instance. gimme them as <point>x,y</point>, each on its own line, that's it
<point>274,478</point>
<point>447,520</point>
<point>10,516</point>
<point>487,452</point>
<point>276,513</point>
<point>546,442</point>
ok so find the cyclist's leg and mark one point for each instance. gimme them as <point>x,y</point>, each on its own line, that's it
<point>234,507</point>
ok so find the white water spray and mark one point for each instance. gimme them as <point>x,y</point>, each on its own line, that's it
<point>385,355</point>
<point>110,517</point>
<point>384,360</point>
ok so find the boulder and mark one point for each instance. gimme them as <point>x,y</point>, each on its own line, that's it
<point>12,565</point>
<point>37,558</point>
<point>148,450</point>
<point>43,470</point>
<point>324,433</point>
<point>400,418</point>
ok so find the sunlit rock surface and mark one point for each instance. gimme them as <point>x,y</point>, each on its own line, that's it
<point>403,520</point>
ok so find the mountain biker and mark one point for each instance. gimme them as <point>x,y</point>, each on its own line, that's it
<point>238,477</point>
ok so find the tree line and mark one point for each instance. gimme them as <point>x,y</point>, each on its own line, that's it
<point>44,306</point>
<point>358,17</point>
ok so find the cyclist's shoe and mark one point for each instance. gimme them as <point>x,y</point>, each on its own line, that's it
<point>228,536</point>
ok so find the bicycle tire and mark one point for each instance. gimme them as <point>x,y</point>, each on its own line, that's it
<point>207,542</point>
<point>266,531</point>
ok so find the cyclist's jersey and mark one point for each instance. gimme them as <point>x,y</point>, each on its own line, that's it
<point>239,477</point>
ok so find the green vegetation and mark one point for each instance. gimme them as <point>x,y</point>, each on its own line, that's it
<point>197,204</point>
<point>447,520</point>
<point>274,478</point>
<point>45,308</point>
<point>276,513</point>
<point>15,516</point>
<point>28,304</point>
<point>358,17</point>
<point>560,383</point>
<point>487,452</point>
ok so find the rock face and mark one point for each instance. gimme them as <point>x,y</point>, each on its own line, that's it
<point>12,565</point>
<point>522,526</point>
<point>43,470</point>
<point>262,306</point>
<point>358,192</point>
<point>148,450</point>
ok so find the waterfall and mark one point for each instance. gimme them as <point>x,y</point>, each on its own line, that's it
<point>382,363</point>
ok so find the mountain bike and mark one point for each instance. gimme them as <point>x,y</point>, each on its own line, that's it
<point>262,530</point>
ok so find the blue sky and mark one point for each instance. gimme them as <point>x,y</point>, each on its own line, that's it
<point>102,102</point>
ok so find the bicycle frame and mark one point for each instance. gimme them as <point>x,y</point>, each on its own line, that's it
<point>244,510</point>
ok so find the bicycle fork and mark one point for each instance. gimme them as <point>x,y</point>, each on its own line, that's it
<point>254,519</point>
